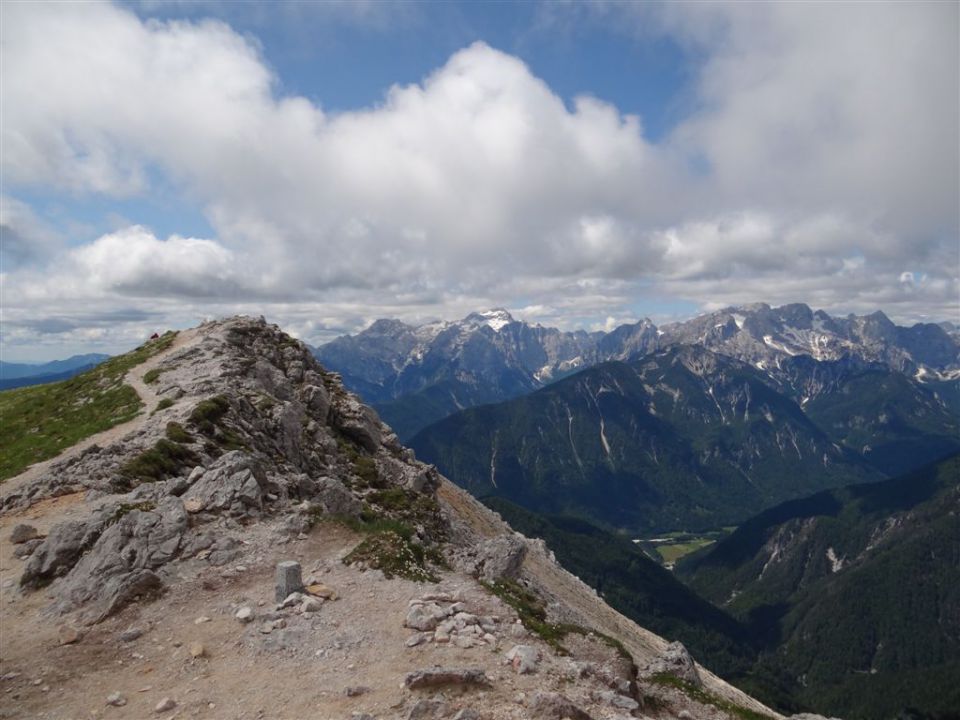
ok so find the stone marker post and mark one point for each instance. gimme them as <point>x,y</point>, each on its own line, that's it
<point>288,579</point>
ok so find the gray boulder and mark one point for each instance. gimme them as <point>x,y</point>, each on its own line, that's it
<point>436,677</point>
<point>523,658</point>
<point>425,616</point>
<point>64,545</point>
<point>500,558</point>
<point>25,550</point>
<point>358,422</point>
<point>120,565</point>
<point>333,496</point>
<point>676,661</point>
<point>22,533</point>
<point>232,484</point>
<point>317,400</point>
<point>554,706</point>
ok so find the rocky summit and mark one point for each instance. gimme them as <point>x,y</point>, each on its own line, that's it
<point>256,543</point>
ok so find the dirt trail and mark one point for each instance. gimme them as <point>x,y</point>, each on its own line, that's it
<point>133,378</point>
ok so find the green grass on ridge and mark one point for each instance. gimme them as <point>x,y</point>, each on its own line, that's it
<point>39,422</point>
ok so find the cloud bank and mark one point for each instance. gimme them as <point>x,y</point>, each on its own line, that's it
<point>820,164</point>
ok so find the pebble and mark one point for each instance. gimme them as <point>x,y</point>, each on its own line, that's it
<point>131,634</point>
<point>244,614</point>
<point>68,635</point>
<point>311,605</point>
<point>197,650</point>
<point>200,620</point>
<point>116,699</point>
<point>416,639</point>
<point>165,705</point>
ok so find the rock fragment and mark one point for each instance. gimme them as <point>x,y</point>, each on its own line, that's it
<point>245,614</point>
<point>554,706</point>
<point>22,533</point>
<point>523,658</point>
<point>131,634</point>
<point>165,705</point>
<point>116,699</point>
<point>434,677</point>
<point>67,635</point>
<point>676,661</point>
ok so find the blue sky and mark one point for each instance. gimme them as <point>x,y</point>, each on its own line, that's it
<point>325,164</point>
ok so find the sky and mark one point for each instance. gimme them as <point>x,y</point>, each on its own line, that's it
<point>583,165</point>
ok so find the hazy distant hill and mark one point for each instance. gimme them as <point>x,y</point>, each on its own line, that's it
<point>14,375</point>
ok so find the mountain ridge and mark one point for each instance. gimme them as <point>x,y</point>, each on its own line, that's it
<point>416,375</point>
<point>684,438</point>
<point>253,456</point>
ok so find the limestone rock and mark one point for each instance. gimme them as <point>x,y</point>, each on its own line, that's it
<point>435,677</point>
<point>676,661</point>
<point>425,617</point>
<point>523,658</point>
<point>67,635</point>
<point>360,423</point>
<point>554,706</point>
<point>244,614</point>
<point>25,549</point>
<point>500,558</point>
<point>59,552</point>
<point>131,634</point>
<point>335,499</point>
<point>311,605</point>
<point>426,709</point>
<point>120,565</point>
<point>232,484</point>
<point>165,705</point>
<point>116,700</point>
<point>21,533</point>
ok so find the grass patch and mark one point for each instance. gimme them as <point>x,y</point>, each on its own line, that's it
<point>152,375</point>
<point>533,614</point>
<point>207,417</point>
<point>208,414</point>
<point>702,696</point>
<point>531,611</point>
<point>366,469</point>
<point>164,459</point>
<point>163,405</point>
<point>394,555</point>
<point>177,433</point>
<point>671,552</point>
<point>39,422</point>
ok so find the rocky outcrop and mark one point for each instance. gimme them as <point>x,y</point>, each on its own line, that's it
<point>676,661</point>
<point>259,432</point>
<point>494,559</point>
<point>232,484</point>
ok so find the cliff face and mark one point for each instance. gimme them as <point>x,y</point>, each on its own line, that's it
<point>145,570</point>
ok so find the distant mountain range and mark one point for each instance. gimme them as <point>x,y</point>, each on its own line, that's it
<point>856,593</point>
<point>14,375</point>
<point>415,376</point>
